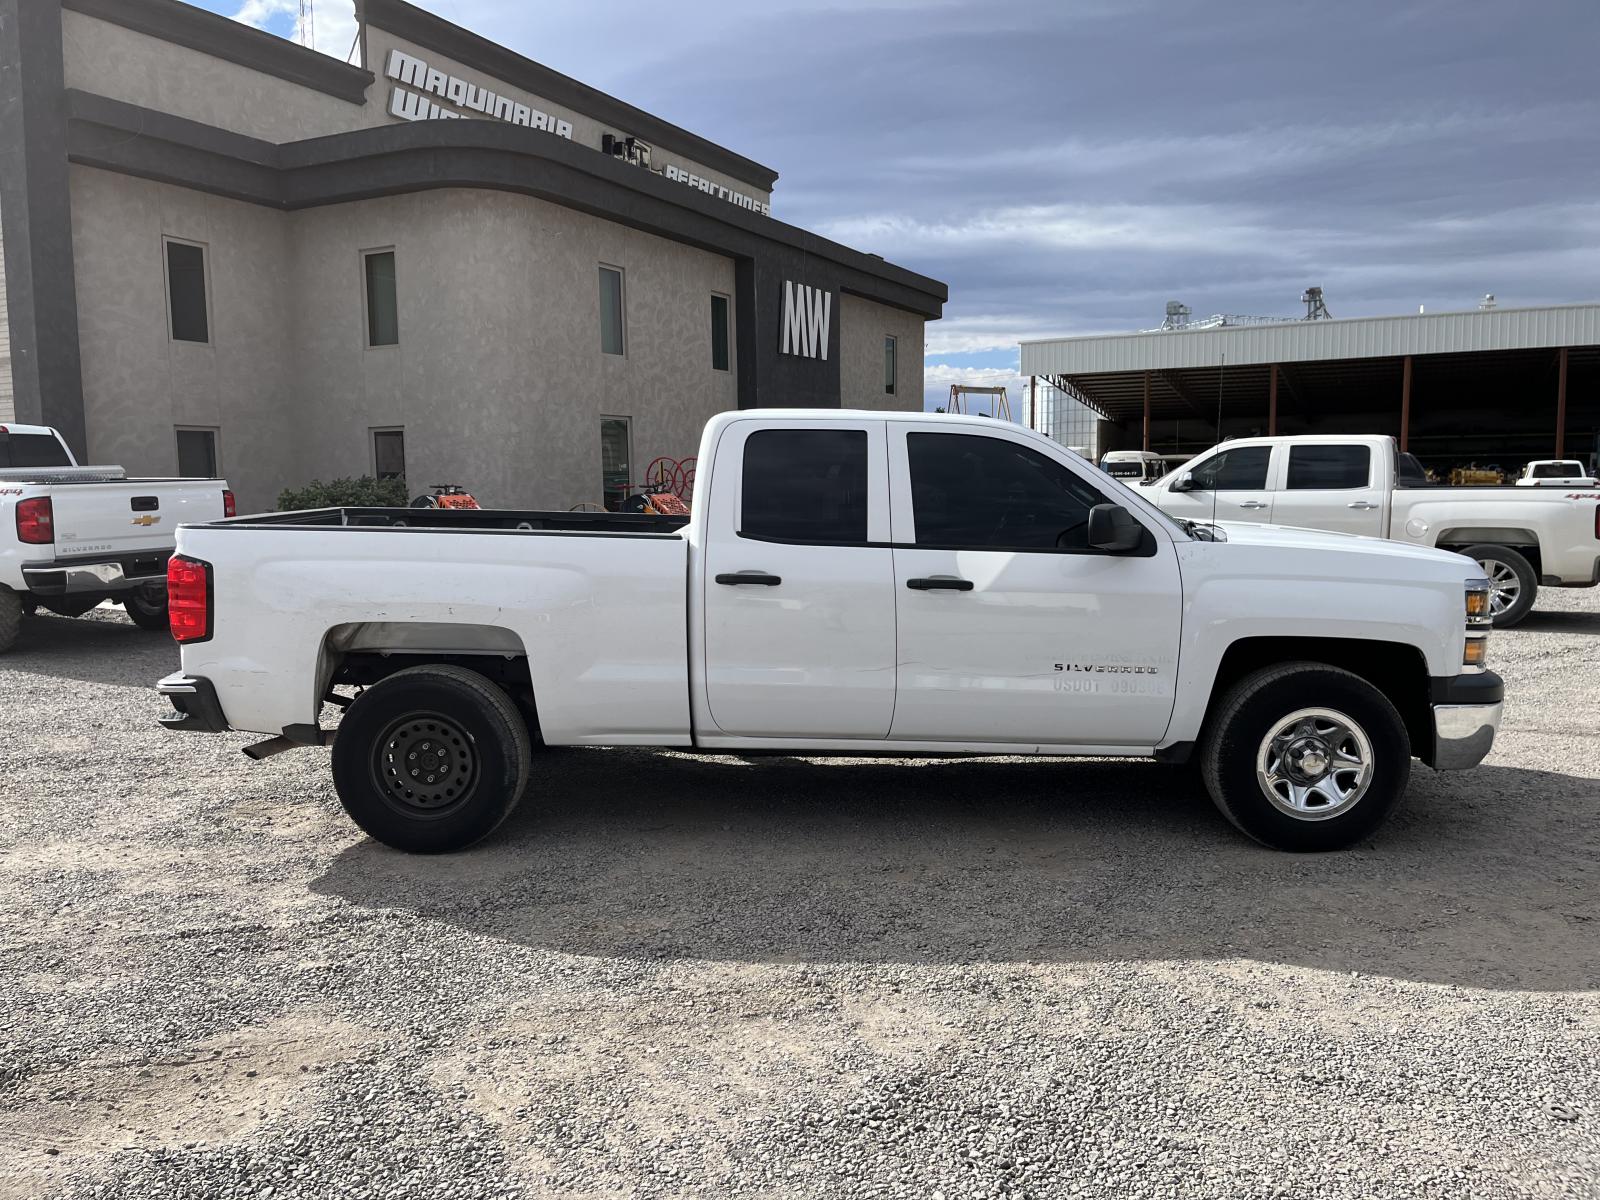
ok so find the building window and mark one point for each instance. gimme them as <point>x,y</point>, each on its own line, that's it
<point>197,453</point>
<point>389,453</point>
<point>186,292</point>
<point>719,333</point>
<point>616,456</point>
<point>383,306</point>
<point>805,485</point>
<point>889,357</point>
<point>611,310</point>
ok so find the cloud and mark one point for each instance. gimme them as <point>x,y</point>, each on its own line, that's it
<point>333,22</point>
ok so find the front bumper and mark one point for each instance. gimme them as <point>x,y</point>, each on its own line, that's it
<point>101,575</point>
<point>195,707</point>
<point>1466,716</point>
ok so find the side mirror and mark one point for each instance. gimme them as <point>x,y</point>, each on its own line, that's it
<point>1112,527</point>
<point>1184,482</point>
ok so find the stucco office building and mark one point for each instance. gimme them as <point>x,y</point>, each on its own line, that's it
<point>223,245</point>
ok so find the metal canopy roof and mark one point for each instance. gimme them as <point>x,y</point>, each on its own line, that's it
<point>1310,341</point>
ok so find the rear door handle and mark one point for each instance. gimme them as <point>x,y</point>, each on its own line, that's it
<point>1361,504</point>
<point>1252,504</point>
<point>940,583</point>
<point>759,578</point>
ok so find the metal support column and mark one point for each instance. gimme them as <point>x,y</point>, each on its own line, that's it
<point>1146,445</point>
<point>1561,403</point>
<point>1033,381</point>
<point>1272,402</point>
<point>1405,403</point>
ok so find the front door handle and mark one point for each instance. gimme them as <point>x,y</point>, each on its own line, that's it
<point>1361,504</point>
<point>759,578</point>
<point>1252,504</point>
<point>940,583</point>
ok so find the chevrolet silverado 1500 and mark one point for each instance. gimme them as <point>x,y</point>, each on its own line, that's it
<point>1362,484</point>
<point>73,536</point>
<point>848,582</point>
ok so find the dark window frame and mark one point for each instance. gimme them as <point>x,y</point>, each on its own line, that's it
<point>725,327</point>
<point>626,483</point>
<point>891,364</point>
<point>168,244</point>
<point>211,431</point>
<point>366,295</point>
<point>373,433</point>
<point>621,309</point>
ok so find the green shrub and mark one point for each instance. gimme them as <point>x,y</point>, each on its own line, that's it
<point>365,492</point>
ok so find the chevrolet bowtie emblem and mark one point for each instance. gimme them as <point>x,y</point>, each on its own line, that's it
<point>147,520</point>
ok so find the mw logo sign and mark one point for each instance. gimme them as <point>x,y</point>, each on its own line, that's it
<point>807,314</point>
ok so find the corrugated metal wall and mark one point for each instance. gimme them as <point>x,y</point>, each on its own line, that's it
<point>1305,341</point>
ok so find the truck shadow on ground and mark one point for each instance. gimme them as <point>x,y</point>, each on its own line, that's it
<point>102,647</point>
<point>1485,880</point>
<point>1558,622</point>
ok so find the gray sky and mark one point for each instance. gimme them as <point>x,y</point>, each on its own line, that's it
<point>1069,167</point>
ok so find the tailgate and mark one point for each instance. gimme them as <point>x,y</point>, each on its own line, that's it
<point>132,516</point>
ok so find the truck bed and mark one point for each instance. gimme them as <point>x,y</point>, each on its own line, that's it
<point>480,520</point>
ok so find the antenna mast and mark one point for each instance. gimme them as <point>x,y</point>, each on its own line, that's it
<point>306,32</point>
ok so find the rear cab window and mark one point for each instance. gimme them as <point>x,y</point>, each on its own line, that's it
<point>32,450</point>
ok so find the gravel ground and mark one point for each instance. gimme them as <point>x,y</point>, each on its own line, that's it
<point>672,976</point>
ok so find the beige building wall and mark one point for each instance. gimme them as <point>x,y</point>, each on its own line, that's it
<point>863,327</point>
<point>498,378</point>
<point>586,130</point>
<point>8,407</point>
<point>139,384</point>
<point>136,68</point>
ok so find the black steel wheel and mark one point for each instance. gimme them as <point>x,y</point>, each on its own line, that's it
<point>431,759</point>
<point>147,608</point>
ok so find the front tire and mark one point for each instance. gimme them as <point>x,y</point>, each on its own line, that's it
<point>147,609</point>
<point>1513,583</point>
<point>1306,757</point>
<point>431,759</point>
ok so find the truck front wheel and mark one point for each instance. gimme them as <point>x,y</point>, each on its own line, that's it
<point>1513,583</point>
<point>1305,757</point>
<point>431,759</point>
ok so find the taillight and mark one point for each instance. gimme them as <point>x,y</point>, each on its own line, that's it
<point>188,599</point>
<point>36,521</point>
<point>228,507</point>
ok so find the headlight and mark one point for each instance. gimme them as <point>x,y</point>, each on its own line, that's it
<point>1477,602</point>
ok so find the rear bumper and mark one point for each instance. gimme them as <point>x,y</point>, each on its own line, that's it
<point>121,573</point>
<point>1466,717</point>
<point>195,707</point>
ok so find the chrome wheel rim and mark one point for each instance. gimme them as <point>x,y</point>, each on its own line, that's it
<point>424,764</point>
<point>1504,586</point>
<point>1315,764</point>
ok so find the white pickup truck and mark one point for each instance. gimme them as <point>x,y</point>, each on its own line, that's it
<point>1555,472</point>
<point>73,536</point>
<point>849,582</point>
<point>1522,538</point>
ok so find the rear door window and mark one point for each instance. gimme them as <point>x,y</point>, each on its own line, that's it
<point>805,485</point>
<point>1328,468</point>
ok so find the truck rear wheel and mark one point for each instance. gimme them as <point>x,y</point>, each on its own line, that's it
<point>1513,583</point>
<point>147,608</point>
<point>1306,757</point>
<point>10,618</point>
<point>431,759</point>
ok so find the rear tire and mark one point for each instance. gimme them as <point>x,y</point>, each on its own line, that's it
<point>146,611</point>
<point>431,759</point>
<point>1306,757</point>
<point>1513,581</point>
<point>10,618</point>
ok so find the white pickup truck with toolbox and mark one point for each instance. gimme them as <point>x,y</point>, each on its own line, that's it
<point>73,536</point>
<point>1522,538</point>
<point>848,582</point>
